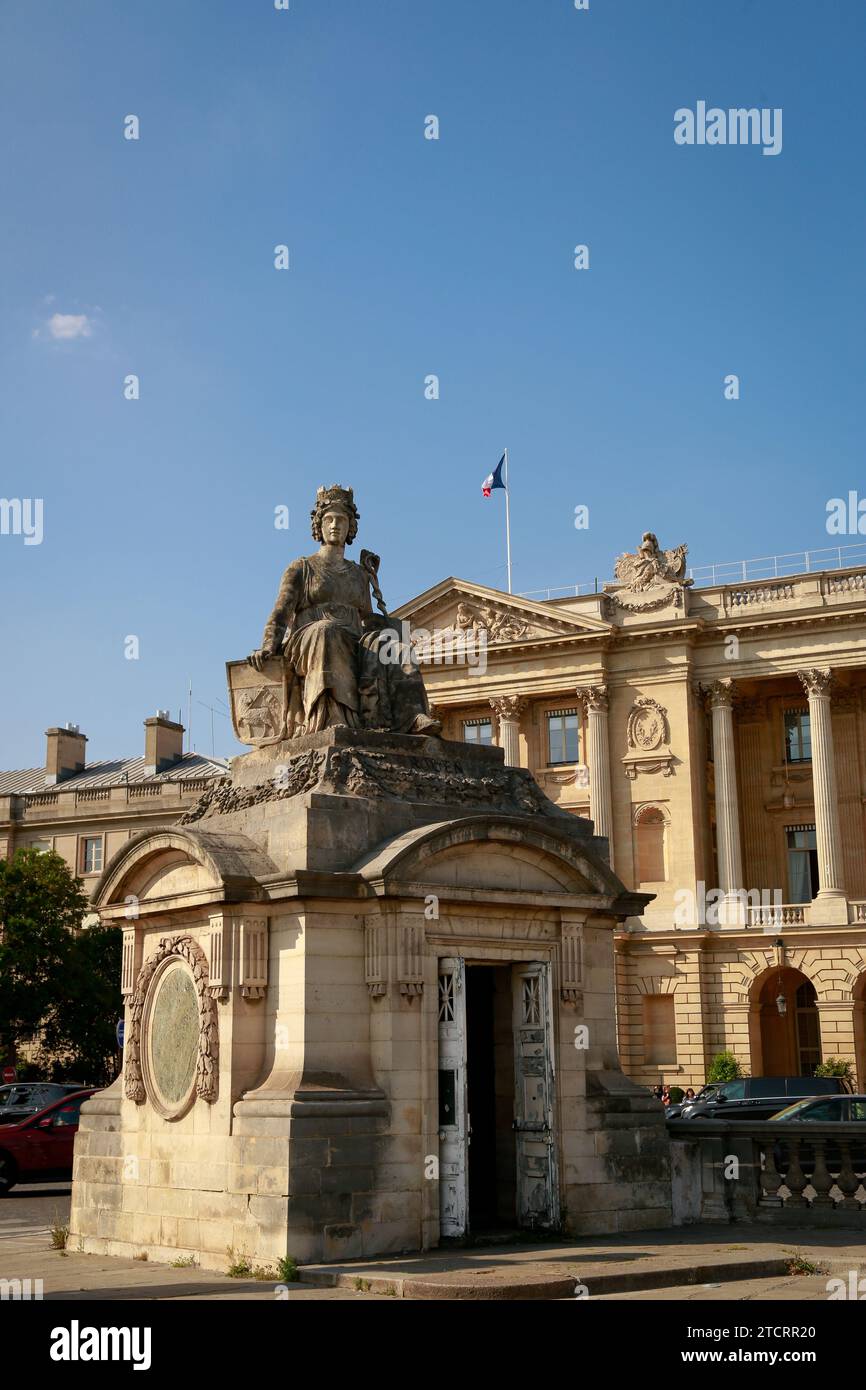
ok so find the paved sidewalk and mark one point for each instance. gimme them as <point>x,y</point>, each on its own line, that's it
<point>693,1263</point>
<point>810,1288</point>
<point>613,1265</point>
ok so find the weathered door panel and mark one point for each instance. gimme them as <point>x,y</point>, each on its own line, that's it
<point>453,1119</point>
<point>537,1184</point>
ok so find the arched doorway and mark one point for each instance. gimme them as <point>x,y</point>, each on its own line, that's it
<point>785,1042</point>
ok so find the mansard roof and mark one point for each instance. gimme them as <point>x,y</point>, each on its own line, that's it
<point>112,772</point>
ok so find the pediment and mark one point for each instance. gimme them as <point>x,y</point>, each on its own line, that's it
<point>464,611</point>
<point>510,855</point>
<point>174,863</point>
<point>167,874</point>
<point>507,867</point>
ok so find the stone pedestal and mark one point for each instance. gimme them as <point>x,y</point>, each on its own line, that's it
<point>283,970</point>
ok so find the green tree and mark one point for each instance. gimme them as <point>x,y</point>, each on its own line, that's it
<point>41,905</point>
<point>78,1028</point>
<point>58,981</point>
<point>724,1067</point>
<point>836,1066</point>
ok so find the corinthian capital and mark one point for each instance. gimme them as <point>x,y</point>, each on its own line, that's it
<point>509,706</point>
<point>719,693</point>
<point>593,698</point>
<point>816,680</point>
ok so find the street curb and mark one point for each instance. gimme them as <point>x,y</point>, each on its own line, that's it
<point>479,1286</point>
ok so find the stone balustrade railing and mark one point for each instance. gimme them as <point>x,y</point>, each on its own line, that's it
<point>774,915</point>
<point>781,915</point>
<point>788,1173</point>
<point>46,805</point>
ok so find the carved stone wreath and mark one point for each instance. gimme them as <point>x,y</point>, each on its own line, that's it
<point>648,737</point>
<point>647,725</point>
<point>206,1075</point>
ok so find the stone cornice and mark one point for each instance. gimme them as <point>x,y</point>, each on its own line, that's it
<point>715,630</point>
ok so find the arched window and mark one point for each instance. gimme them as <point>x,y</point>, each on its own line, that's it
<point>651,844</point>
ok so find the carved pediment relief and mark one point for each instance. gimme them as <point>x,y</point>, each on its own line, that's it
<point>474,625</point>
<point>467,616</point>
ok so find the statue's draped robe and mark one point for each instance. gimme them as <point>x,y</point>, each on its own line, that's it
<point>332,652</point>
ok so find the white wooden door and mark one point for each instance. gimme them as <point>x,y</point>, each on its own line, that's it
<point>453,1119</point>
<point>537,1183</point>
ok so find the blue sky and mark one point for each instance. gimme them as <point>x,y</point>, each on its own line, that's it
<point>408,257</point>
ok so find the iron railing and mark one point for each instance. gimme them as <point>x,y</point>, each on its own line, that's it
<point>737,571</point>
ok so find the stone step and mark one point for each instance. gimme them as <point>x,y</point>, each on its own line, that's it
<point>504,1281</point>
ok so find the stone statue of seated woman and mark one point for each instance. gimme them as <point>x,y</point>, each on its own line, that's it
<point>344,663</point>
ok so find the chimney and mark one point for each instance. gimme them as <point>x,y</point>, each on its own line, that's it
<point>163,743</point>
<point>64,753</point>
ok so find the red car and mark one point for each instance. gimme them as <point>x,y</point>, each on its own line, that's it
<point>39,1149</point>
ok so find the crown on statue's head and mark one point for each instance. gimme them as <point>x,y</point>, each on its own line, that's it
<point>335,495</point>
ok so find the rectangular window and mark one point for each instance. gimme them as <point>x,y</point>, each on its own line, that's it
<point>802,849</point>
<point>563,736</point>
<point>798,736</point>
<point>478,731</point>
<point>91,854</point>
<point>43,846</point>
<point>659,1029</point>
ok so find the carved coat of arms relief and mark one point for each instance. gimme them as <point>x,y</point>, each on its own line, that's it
<point>648,739</point>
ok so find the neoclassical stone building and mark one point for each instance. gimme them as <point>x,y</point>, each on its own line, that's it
<point>715,735</point>
<point>86,811</point>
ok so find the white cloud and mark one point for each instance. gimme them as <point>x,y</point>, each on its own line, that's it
<point>70,326</point>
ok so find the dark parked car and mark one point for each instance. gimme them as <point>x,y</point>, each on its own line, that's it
<point>824,1110</point>
<point>40,1149</point>
<point>24,1098</point>
<point>759,1097</point>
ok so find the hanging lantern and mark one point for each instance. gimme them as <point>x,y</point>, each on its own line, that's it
<point>781,1005</point>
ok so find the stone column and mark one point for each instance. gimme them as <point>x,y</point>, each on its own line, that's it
<point>816,682</point>
<point>728,847</point>
<point>594,701</point>
<point>508,709</point>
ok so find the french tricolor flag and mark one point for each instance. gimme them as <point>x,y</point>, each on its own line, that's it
<point>493,479</point>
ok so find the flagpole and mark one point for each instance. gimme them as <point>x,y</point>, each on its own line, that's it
<point>507,523</point>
